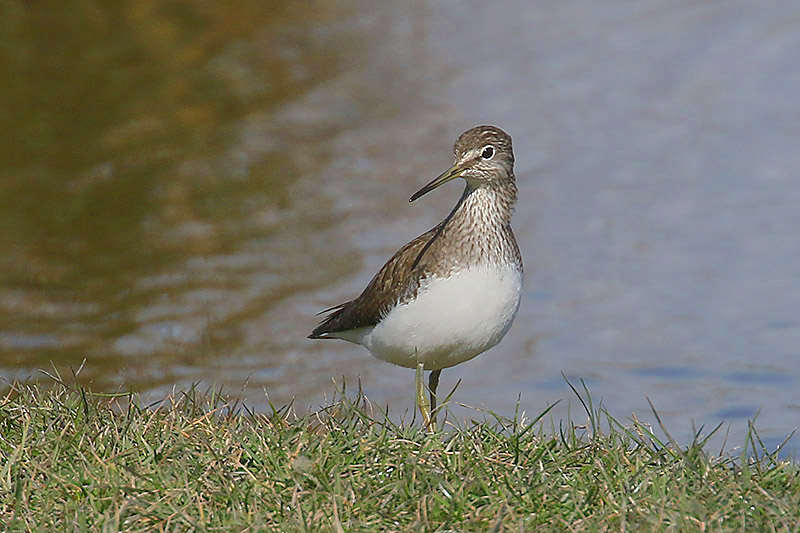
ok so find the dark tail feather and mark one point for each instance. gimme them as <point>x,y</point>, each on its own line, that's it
<point>332,309</point>
<point>328,323</point>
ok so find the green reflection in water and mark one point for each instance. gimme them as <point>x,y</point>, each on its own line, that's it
<point>100,106</point>
<point>122,152</point>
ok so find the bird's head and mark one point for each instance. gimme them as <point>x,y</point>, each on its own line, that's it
<point>483,155</point>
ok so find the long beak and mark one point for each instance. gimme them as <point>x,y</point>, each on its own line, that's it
<point>450,174</point>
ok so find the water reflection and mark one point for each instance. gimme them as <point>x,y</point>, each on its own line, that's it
<point>183,186</point>
<point>145,178</point>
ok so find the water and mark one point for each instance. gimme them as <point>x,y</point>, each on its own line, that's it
<point>182,188</point>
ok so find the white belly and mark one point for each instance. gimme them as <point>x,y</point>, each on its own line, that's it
<point>451,321</point>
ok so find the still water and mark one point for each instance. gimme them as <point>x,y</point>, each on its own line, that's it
<point>183,186</point>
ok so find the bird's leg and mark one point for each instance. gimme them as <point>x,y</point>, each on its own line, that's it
<point>422,400</point>
<point>433,383</point>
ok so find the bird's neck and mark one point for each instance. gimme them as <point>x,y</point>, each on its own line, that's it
<point>486,206</point>
<point>476,230</point>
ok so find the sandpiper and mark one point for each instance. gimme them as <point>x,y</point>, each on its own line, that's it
<point>453,292</point>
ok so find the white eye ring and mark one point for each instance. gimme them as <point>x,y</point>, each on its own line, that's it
<point>487,152</point>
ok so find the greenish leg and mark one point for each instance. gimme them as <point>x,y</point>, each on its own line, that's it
<point>422,400</point>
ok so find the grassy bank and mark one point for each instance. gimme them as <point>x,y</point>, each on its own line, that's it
<point>72,460</point>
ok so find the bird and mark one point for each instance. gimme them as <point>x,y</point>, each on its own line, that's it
<point>453,292</point>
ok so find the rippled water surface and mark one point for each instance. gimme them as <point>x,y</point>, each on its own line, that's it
<point>183,186</point>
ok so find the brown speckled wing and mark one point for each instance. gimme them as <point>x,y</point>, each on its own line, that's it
<point>396,281</point>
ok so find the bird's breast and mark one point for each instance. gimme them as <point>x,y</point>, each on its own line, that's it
<point>452,319</point>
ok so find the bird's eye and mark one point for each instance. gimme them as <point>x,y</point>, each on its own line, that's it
<point>488,152</point>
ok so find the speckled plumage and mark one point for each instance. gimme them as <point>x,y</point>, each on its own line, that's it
<point>476,233</point>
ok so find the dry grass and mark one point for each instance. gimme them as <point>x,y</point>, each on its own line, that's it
<point>73,460</point>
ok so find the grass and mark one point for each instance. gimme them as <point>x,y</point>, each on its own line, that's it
<point>74,460</point>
